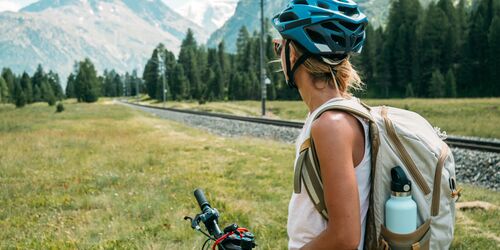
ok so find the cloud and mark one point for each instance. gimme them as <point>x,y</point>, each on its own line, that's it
<point>9,5</point>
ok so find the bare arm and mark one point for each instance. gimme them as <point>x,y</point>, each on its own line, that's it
<point>335,135</point>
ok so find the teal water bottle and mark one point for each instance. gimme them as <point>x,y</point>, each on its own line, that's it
<point>400,209</point>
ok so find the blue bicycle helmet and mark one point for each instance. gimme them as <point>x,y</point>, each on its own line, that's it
<point>327,29</point>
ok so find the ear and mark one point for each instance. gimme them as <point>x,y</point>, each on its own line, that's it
<point>293,55</point>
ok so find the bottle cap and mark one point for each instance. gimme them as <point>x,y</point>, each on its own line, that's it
<point>400,182</point>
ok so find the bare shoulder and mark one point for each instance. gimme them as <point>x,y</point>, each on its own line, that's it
<point>334,123</point>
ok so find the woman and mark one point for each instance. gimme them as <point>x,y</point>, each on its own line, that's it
<point>318,39</point>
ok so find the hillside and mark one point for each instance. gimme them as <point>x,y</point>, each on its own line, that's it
<point>117,34</point>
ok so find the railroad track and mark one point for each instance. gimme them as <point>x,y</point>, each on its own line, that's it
<point>453,141</point>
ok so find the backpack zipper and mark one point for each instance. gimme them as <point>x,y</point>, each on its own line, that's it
<point>404,155</point>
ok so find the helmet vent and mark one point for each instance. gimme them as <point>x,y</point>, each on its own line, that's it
<point>316,37</point>
<point>323,5</point>
<point>350,26</point>
<point>357,41</point>
<point>319,13</point>
<point>288,16</point>
<point>331,26</point>
<point>339,40</point>
<point>348,11</point>
<point>301,2</point>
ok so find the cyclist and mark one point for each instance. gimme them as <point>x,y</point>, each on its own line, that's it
<point>318,39</point>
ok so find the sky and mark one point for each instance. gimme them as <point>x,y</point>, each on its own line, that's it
<point>15,5</point>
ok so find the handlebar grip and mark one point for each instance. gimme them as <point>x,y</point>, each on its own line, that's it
<point>200,198</point>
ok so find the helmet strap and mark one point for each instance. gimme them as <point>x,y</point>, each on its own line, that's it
<point>290,71</point>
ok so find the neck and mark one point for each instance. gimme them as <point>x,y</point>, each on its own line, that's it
<point>315,94</point>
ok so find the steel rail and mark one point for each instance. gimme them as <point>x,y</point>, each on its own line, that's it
<point>453,141</point>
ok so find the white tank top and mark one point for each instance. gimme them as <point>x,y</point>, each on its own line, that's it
<point>304,221</point>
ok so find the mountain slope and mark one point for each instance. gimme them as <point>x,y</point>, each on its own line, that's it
<point>248,13</point>
<point>119,34</point>
<point>209,14</point>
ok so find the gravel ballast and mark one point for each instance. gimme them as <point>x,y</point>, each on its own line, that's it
<point>474,167</point>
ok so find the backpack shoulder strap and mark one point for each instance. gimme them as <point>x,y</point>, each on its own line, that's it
<point>353,106</point>
<point>307,166</point>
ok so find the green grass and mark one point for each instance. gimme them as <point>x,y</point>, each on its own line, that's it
<point>467,117</point>
<point>104,176</point>
<point>476,228</point>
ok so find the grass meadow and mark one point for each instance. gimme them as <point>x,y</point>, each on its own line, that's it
<point>104,176</point>
<point>466,117</point>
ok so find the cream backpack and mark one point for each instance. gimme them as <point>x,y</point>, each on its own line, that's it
<point>398,138</point>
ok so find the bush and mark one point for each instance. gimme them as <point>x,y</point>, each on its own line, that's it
<point>202,101</point>
<point>60,107</point>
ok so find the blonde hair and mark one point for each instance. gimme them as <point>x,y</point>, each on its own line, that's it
<point>342,76</point>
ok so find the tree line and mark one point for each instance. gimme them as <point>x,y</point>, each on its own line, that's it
<point>210,74</point>
<point>25,89</point>
<point>444,50</point>
<point>86,85</point>
<point>83,84</point>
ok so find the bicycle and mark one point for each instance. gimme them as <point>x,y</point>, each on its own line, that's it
<point>232,238</point>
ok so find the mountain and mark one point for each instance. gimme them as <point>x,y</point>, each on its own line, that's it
<point>119,34</point>
<point>248,13</point>
<point>209,14</point>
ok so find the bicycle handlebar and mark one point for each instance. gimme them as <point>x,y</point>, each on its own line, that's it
<point>233,237</point>
<point>201,199</point>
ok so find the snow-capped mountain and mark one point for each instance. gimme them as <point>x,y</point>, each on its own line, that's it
<point>119,34</point>
<point>209,14</point>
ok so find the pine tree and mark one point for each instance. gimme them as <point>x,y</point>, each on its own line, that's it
<point>19,97</point>
<point>27,88</point>
<point>70,86</point>
<point>473,80</point>
<point>242,49</point>
<point>382,74</point>
<point>38,77</point>
<point>135,83</point>
<point>188,58</point>
<point>170,62</point>
<point>44,90</point>
<point>432,45</point>
<point>10,80</point>
<point>55,83</point>
<point>118,85</point>
<point>87,83</point>
<point>48,93</point>
<point>450,42</point>
<point>231,87</point>
<point>494,56</point>
<point>451,84</point>
<point>214,77</point>
<point>179,89</point>
<point>4,91</point>
<point>225,66</point>
<point>37,94</point>
<point>461,15</point>
<point>151,73</point>
<point>437,85</point>
<point>401,44</point>
<point>209,94</point>
<point>367,57</point>
<point>218,86</point>
<point>193,76</point>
